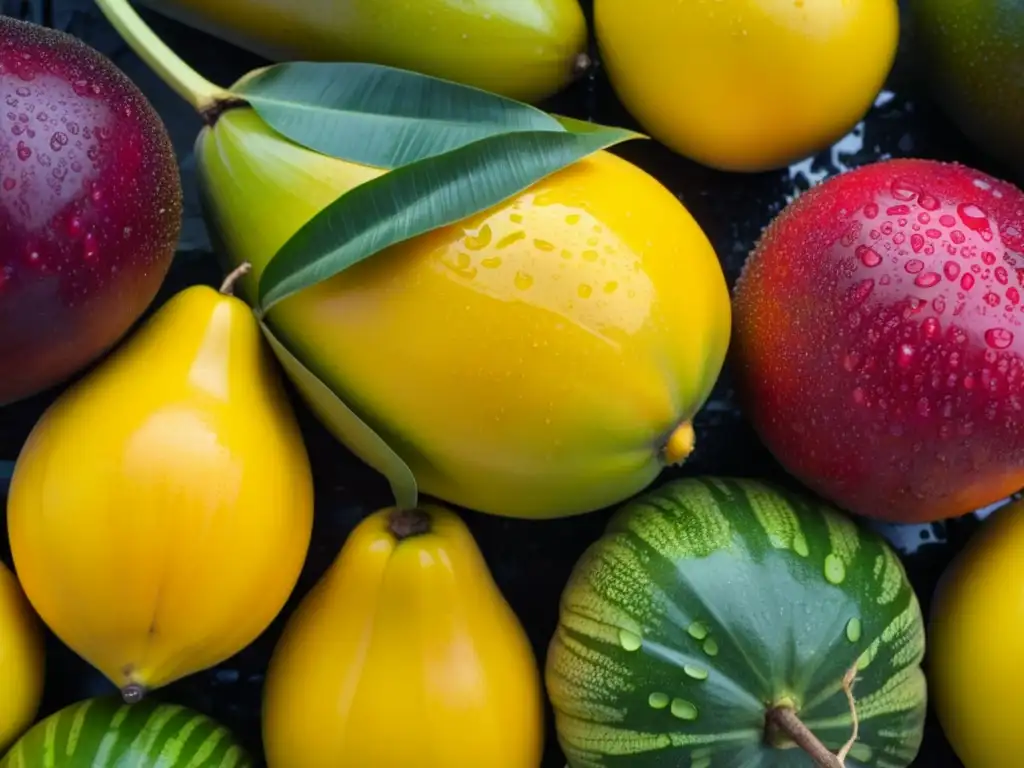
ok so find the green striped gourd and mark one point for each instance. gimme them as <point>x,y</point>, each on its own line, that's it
<point>106,733</point>
<point>711,601</point>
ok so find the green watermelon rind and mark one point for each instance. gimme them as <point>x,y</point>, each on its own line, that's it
<point>774,561</point>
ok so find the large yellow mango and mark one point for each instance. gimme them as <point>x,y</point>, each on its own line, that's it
<point>539,359</point>
<point>523,49</point>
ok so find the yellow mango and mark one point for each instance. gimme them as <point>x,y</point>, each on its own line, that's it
<point>161,509</point>
<point>541,358</point>
<point>21,661</point>
<point>404,654</point>
<point>523,49</point>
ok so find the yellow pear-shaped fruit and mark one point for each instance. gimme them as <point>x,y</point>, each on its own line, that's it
<point>21,661</point>
<point>161,510</point>
<point>404,654</point>
<point>523,49</point>
<point>539,359</point>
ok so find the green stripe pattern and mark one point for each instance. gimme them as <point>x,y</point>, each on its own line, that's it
<point>106,733</point>
<point>710,600</point>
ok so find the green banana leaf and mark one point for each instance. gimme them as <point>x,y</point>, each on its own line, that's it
<point>420,197</point>
<point>378,115</point>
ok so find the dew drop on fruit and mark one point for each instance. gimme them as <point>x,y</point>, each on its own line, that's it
<point>835,569</point>
<point>916,243</point>
<point>903,190</point>
<point>998,338</point>
<point>697,631</point>
<point>905,356</point>
<point>695,672</point>
<point>710,647</point>
<point>972,216</point>
<point>988,257</point>
<point>958,237</point>
<point>89,246</point>
<point>951,270</point>
<point>868,256</point>
<point>928,202</point>
<point>991,299</point>
<point>9,184</point>
<point>927,280</point>
<point>24,152</point>
<point>967,282</point>
<point>683,709</point>
<point>658,700</point>
<point>629,641</point>
<point>913,266</point>
<point>930,327</point>
<point>870,210</point>
<point>1002,276</point>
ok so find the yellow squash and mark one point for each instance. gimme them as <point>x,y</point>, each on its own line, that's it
<point>539,359</point>
<point>21,661</point>
<point>404,654</point>
<point>524,49</point>
<point>161,510</point>
<point>975,664</point>
<point>747,85</point>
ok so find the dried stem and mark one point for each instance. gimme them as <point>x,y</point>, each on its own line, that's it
<point>228,286</point>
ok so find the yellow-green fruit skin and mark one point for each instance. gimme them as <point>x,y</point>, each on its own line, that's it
<point>523,49</point>
<point>529,361</point>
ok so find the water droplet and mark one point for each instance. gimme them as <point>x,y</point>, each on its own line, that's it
<point>629,640</point>
<point>905,356</point>
<point>523,281</point>
<point>89,246</point>
<point>572,218</point>
<point>869,256</point>
<point>853,630</point>
<point>930,327</point>
<point>10,184</point>
<point>903,189</point>
<point>683,709</point>
<point>957,237</point>
<point>934,234</point>
<point>870,210</point>
<point>1013,295</point>
<point>859,292</point>
<point>988,257</point>
<point>510,238</point>
<point>928,202</point>
<point>480,240</point>
<point>913,266</point>
<point>835,570</point>
<point>972,216</point>
<point>991,299</point>
<point>967,282</point>
<point>711,647</point>
<point>859,395</point>
<point>697,630</point>
<point>998,338</point>
<point>697,673</point>
<point>590,255</point>
<point>916,243</point>
<point>24,152</point>
<point>897,210</point>
<point>658,700</point>
<point>946,220</point>
<point>584,291</point>
<point>491,262</point>
<point>543,245</point>
<point>927,280</point>
<point>611,286</point>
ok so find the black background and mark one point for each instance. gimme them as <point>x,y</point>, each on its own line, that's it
<point>530,560</point>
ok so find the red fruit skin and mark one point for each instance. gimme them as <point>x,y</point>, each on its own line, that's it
<point>90,206</point>
<point>878,340</point>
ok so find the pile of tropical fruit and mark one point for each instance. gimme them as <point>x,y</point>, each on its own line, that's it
<point>494,310</point>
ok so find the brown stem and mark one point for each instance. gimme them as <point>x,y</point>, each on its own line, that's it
<point>228,286</point>
<point>787,721</point>
<point>212,113</point>
<point>405,523</point>
<point>133,693</point>
<point>848,680</point>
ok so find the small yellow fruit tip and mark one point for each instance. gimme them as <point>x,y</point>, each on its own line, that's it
<point>679,444</point>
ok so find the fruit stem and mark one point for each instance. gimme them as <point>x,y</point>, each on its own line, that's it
<point>133,693</point>
<point>172,69</point>
<point>228,286</point>
<point>679,444</point>
<point>406,523</point>
<point>787,721</point>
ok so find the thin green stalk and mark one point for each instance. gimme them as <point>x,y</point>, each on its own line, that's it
<point>172,69</point>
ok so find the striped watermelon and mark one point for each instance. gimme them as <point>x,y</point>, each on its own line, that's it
<point>710,601</point>
<point>106,733</point>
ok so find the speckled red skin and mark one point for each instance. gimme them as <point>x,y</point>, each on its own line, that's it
<point>90,206</point>
<point>879,335</point>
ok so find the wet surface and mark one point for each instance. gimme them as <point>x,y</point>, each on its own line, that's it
<point>527,559</point>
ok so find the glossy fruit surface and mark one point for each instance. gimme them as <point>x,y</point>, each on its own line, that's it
<point>710,601</point>
<point>405,653</point>
<point>90,206</point>
<point>879,339</point>
<point>105,732</point>
<point>975,667</point>
<point>747,85</point>
<point>167,540</point>
<point>527,49</point>
<point>532,360</point>
<point>971,56</point>
<point>21,660</point>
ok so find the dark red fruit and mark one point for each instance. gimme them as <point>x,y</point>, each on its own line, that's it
<point>90,206</point>
<point>879,339</point>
